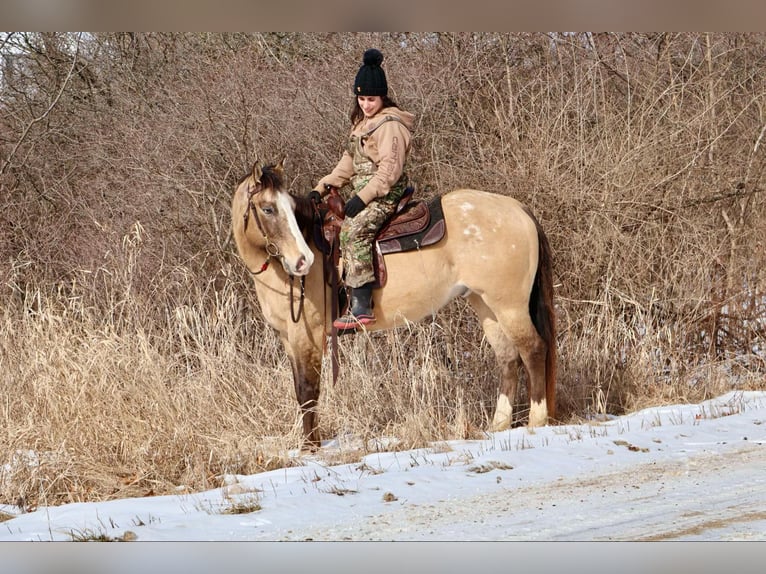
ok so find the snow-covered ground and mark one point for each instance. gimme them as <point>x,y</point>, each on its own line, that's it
<point>682,472</point>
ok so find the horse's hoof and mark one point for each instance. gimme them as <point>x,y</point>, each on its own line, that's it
<point>500,426</point>
<point>310,446</point>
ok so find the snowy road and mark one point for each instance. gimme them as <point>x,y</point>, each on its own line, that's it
<point>717,496</point>
<point>681,472</point>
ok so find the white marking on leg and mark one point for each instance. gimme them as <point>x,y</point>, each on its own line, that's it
<point>503,414</point>
<point>538,413</point>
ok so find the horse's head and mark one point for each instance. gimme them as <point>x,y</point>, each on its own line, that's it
<point>269,218</point>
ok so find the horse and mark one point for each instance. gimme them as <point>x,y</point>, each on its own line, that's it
<point>494,253</point>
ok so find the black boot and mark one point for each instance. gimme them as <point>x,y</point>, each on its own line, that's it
<point>360,312</point>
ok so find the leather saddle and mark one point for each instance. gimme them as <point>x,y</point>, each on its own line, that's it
<point>413,225</point>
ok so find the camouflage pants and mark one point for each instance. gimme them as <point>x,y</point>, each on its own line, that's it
<point>356,237</point>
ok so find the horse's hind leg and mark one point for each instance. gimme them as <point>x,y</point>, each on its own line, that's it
<point>533,351</point>
<point>507,360</point>
<point>522,337</point>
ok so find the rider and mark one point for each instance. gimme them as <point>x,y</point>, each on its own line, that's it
<point>374,164</point>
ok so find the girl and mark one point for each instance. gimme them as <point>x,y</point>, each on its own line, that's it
<point>374,164</point>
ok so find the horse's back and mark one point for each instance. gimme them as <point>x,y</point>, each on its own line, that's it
<point>478,210</point>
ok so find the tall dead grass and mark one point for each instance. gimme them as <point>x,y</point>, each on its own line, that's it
<point>115,410</point>
<point>133,356</point>
<point>99,409</point>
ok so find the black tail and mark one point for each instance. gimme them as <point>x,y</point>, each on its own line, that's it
<point>543,314</point>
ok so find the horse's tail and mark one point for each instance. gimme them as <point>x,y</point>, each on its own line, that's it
<point>543,315</point>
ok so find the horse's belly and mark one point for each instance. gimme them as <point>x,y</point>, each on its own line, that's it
<point>419,284</point>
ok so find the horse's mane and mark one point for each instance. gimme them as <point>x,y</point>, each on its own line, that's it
<point>270,177</point>
<point>304,212</point>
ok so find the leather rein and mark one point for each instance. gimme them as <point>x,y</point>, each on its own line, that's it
<point>272,250</point>
<point>332,207</point>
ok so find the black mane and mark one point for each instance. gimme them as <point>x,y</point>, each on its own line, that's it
<point>270,177</point>
<point>304,212</point>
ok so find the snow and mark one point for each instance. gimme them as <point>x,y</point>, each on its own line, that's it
<point>681,472</point>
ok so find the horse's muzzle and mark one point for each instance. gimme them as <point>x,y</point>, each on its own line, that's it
<point>300,267</point>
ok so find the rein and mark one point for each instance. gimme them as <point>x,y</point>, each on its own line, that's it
<point>330,267</point>
<point>293,316</point>
<point>272,250</point>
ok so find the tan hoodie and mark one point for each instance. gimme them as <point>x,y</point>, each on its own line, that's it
<point>387,146</point>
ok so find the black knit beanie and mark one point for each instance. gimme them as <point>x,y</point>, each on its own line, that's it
<point>371,79</point>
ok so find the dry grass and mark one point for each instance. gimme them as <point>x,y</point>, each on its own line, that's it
<point>134,359</point>
<point>93,413</point>
<point>111,414</point>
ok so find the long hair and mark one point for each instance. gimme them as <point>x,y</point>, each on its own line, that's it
<point>357,114</point>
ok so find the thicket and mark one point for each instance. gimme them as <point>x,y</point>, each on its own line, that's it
<point>133,355</point>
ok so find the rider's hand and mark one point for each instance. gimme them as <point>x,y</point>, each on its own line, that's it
<point>354,206</point>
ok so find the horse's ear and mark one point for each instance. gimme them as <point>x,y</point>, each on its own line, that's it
<point>280,167</point>
<point>257,171</point>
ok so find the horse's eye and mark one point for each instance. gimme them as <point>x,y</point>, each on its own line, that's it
<point>267,210</point>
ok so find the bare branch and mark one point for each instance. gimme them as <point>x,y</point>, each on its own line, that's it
<point>40,118</point>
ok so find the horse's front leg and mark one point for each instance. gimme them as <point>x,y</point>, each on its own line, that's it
<point>306,361</point>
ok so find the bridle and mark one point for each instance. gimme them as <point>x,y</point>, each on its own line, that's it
<point>272,250</point>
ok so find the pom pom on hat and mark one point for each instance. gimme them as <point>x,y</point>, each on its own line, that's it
<point>372,57</point>
<point>371,79</point>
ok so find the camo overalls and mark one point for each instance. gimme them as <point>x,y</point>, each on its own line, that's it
<point>358,233</point>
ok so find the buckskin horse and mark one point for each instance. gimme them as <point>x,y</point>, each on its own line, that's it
<point>493,253</point>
